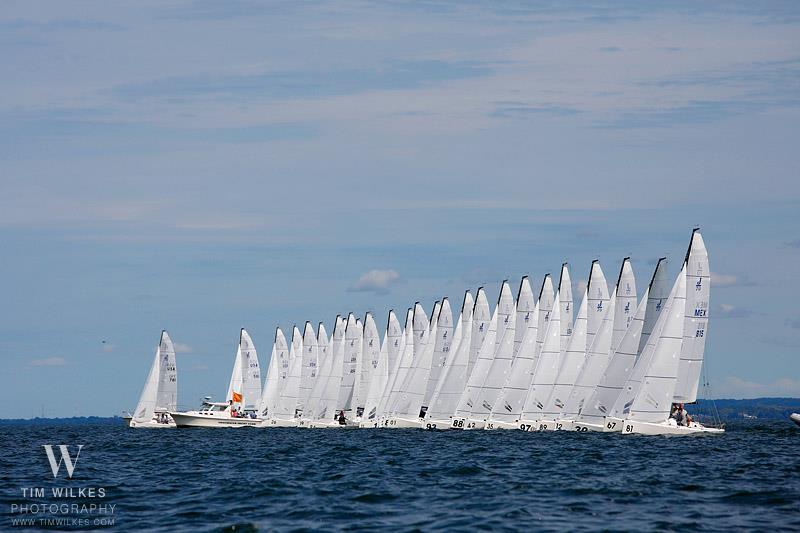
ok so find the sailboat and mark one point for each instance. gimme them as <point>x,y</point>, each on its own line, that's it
<point>370,360</point>
<point>380,375</point>
<point>328,409</point>
<point>508,407</point>
<point>453,377</point>
<point>597,412</point>
<point>286,410</point>
<point>405,411</point>
<point>323,370</point>
<point>442,346</point>
<point>308,375</point>
<point>673,372</point>
<point>240,407</point>
<point>160,393</point>
<point>599,332</point>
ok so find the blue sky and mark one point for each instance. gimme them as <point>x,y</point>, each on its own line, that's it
<point>203,166</point>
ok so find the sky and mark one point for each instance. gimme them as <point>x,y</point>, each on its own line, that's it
<point>205,166</point>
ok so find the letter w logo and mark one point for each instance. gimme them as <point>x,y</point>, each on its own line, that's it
<point>65,458</point>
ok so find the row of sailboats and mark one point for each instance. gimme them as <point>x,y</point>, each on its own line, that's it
<point>617,365</point>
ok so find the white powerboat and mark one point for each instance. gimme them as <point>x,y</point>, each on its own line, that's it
<point>215,415</point>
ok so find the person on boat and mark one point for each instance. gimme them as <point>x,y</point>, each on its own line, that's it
<point>679,414</point>
<point>341,418</point>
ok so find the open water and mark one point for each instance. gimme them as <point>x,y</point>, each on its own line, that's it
<point>300,479</point>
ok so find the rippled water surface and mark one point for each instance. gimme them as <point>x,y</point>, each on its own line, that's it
<point>207,479</point>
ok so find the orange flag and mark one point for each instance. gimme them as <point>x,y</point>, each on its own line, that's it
<point>237,397</point>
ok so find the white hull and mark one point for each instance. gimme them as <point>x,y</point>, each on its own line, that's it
<point>528,425</point>
<point>280,423</point>
<point>493,424</point>
<point>369,424</point>
<point>198,420</point>
<point>467,424</point>
<point>795,417</point>
<point>608,425</point>
<point>325,424</point>
<point>631,427</point>
<point>403,423</point>
<point>436,424</point>
<point>151,425</point>
<point>556,425</point>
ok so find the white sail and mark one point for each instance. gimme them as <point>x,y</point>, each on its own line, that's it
<point>565,301</point>
<point>160,391</point>
<point>572,363</point>
<point>352,358</point>
<point>481,316</point>
<point>655,396</point>
<point>404,349</point>
<point>546,300</point>
<point>404,362</point>
<point>236,383</point>
<point>602,399</point>
<point>634,382</point>
<point>597,357</point>
<point>544,375</point>
<point>276,374</point>
<point>410,401</point>
<point>370,359</point>
<point>626,302</point>
<point>497,362</point>
<point>469,398</point>
<point>323,371</point>
<point>526,303</point>
<point>598,301</point>
<point>167,398</point>
<point>308,375</point>
<point>508,407</point>
<point>453,377</point>
<point>441,350</point>
<point>380,374</point>
<point>698,292</point>
<point>286,407</point>
<point>660,286</point>
<point>329,406</point>
<point>251,372</point>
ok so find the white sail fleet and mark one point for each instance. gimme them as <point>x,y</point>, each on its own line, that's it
<point>618,364</point>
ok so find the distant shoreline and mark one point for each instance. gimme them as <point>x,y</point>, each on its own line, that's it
<point>728,409</point>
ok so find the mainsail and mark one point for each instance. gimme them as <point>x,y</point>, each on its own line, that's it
<point>695,330</point>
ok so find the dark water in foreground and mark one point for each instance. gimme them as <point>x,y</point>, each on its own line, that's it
<point>198,479</point>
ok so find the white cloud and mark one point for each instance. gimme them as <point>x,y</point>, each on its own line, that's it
<point>731,311</point>
<point>730,280</point>
<point>379,281</point>
<point>736,387</point>
<point>182,348</point>
<point>49,361</point>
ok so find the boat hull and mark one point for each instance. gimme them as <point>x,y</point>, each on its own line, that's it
<point>436,424</point>
<point>555,425</point>
<point>495,424</point>
<point>467,424</point>
<point>633,427</point>
<point>195,419</point>
<point>795,417</point>
<point>280,423</point>
<point>403,423</point>
<point>151,425</point>
<point>609,425</point>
